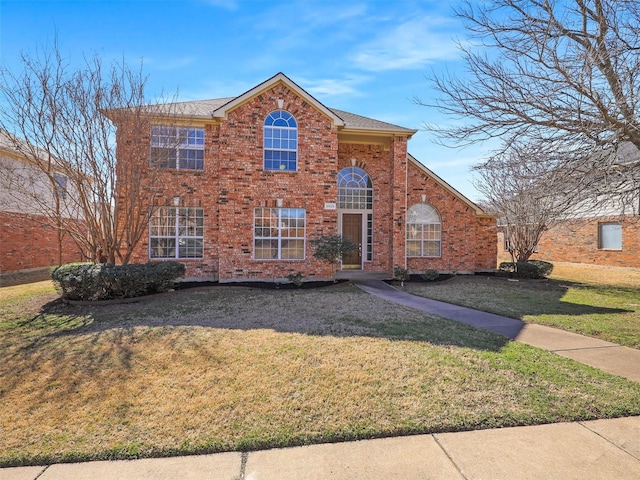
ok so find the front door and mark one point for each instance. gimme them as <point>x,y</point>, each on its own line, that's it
<point>352,230</point>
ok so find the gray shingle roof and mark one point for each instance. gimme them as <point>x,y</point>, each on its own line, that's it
<point>351,120</point>
<point>204,109</point>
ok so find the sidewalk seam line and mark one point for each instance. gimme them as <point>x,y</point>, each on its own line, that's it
<point>435,438</point>
<point>585,348</point>
<point>42,472</point>
<point>609,441</point>
<point>244,456</point>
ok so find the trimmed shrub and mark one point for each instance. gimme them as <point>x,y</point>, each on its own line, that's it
<point>544,268</point>
<point>430,275</point>
<point>100,281</point>
<point>401,274</point>
<point>296,278</point>
<point>533,269</point>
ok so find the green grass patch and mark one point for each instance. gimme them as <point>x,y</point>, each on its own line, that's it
<point>231,368</point>
<point>603,311</point>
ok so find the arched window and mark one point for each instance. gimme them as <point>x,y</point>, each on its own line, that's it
<point>354,189</point>
<point>424,231</point>
<point>280,142</point>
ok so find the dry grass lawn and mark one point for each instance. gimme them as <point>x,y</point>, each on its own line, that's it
<point>232,368</point>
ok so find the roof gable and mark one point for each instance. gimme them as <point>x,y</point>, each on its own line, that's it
<point>477,210</point>
<point>280,78</point>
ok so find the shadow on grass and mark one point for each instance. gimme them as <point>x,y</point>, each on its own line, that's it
<point>514,299</point>
<point>342,310</point>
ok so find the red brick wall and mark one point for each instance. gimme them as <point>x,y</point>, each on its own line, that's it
<point>234,183</point>
<point>380,162</point>
<point>26,243</point>
<point>468,241</point>
<point>577,242</point>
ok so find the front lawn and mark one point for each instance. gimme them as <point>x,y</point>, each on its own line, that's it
<point>233,368</point>
<point>605,311</point>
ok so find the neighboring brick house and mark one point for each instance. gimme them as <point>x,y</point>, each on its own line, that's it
<point>244,184</point>
<point>28,246</point>
<point>602,231</point>
<point>610,241</point>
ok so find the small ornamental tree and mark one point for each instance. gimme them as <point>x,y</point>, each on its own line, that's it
<point>331,249</point>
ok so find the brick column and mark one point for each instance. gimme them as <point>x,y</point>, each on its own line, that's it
<point>399,200</point>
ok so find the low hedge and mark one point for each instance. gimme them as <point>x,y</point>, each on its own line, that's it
<point>101,281</point>
<point>532,269</point>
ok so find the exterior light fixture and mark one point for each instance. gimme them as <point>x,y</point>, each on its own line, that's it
<point>400,221</point>
<point>279,202</point>
<point>176,201</point>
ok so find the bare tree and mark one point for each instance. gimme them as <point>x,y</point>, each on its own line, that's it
<point>63,120</point>
<point>560,71</point>
<point>517,185</point>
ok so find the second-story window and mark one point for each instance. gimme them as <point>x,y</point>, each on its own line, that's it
<point>280,142</point>
<point>177,147</point>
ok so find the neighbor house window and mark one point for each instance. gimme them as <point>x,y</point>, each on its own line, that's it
<point>279,233</point>
<point>176,233</point>
<point>280,142</point>
<point>60,181</point>
<point>424,231</point>
<point>179,148</point>
<point>610,236</point>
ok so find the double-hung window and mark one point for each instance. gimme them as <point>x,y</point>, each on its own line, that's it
<point>176,233</point>
<point>424,231</point>
<point>177,147</point>
<point>280,142</point>
<point>279,233</point>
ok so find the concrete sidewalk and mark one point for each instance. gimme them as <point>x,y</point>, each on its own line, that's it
<point>595,450</point>
<point>600,449</point>
<point>606,356</point>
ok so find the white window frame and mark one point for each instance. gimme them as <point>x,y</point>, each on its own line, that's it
<point>183,226</point>
<point>179,144</point>
<point>276,227</point>
<point>416,230</point>
<point>280,135</point>
<point>612,238</point>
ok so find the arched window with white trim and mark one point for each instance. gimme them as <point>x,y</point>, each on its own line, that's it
<point>424,231</point>
<point>280,141</point>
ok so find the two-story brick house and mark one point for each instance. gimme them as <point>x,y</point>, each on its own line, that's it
<point>245,183</point>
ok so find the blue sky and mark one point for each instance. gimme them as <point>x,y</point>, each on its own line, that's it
<point>366,57</point>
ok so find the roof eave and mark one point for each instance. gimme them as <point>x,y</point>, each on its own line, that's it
<point>379,131</point>
<point>479,212</point>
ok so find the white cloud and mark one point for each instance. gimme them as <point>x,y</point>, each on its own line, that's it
<point>409,45</point>
<point>331,87</point>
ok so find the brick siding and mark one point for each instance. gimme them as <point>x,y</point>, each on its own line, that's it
<point>25,243</point>
<point>577,242</point>
<point>234,182</point>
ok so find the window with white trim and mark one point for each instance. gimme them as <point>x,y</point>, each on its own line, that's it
<point>177,233</point>
<point>355,190</point>
<point>424,231</point>
<point>177,147</point>
<point>279,233</point>
<point>610,236</point>
<point>280,142</point>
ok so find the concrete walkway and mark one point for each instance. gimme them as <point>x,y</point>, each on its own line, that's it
<point>600,449</point>
<point>606,356</point>
<point>595,450</point>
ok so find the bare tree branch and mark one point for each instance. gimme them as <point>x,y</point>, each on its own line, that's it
<point>63,120</point>
<point>549,71</point>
